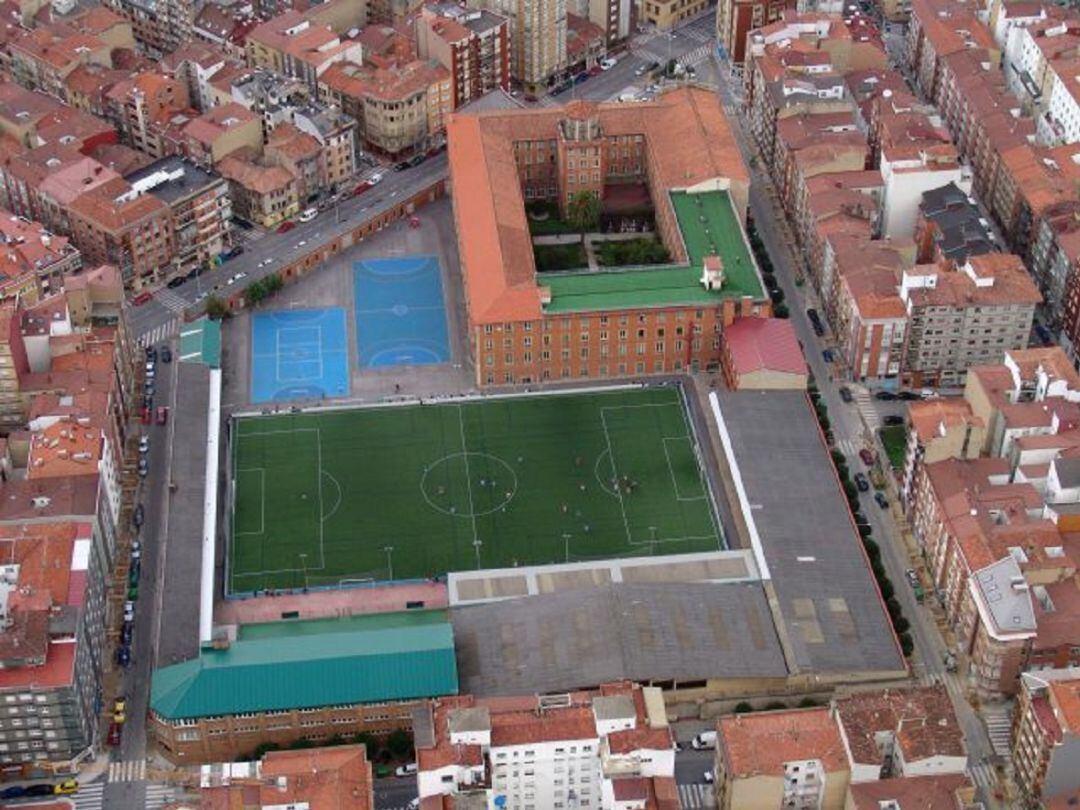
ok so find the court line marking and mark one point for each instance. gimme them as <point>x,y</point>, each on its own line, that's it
<point>615,472</point>
<point>468,476</point>
<point>703,474</point>
<point>674,483</point>
<point>340,497</point>
<point>262,500</point>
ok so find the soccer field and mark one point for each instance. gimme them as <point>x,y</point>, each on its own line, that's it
<point>409,492</point>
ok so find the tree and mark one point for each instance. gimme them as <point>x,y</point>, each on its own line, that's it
<point>906,644</point>
<point>781,311</point>
<point>399,743</point>
<point>775,705</point>
<point>743,707</point>
<point>901,624</point>
<point>263,748</point>
<point>583,212</point>
<point>887,589</point>
<point>872,550</point>
<point>892,605</point>
<point>366,740</point>
<point>807,703</point>
<point>216,308</point>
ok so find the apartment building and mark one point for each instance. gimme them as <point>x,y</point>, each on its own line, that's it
<point>199,207</point>
<point>666,14</point>
<point>937,430</point>
<point>143,109</point>
<point>159,27</point>
<point>900,733</point>
<point>472,44</point>
<point>790,758</point>
<point>43,58</point>
<point>737,18</point>
<point>1038,52</point>
<point>230,699</point>
<point>220,131</point>
<point>400,109</point>
<point>335,133</point>
<point>294,45</point>
<point>950,226</point>
<point>762,353</point>
<point>262,195</point>
<point>524,327</point>
<point>34,261</point>
<point>965,316</point>
<point>608,749</point>
<point>313,778</point>
<point>1045,745</point>
<point>538,43</point>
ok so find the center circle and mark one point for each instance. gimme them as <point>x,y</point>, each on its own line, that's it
<point>401,310</point>
<point>468,484</point>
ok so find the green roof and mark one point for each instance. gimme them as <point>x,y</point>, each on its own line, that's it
<point>708,224</point>
<point>200,342</point>
<point>335,624</point>
<point>310,669</point>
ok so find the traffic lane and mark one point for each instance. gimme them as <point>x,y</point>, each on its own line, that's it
<point>151,495</point>
<point>691,765</point>
<point>283,248</point>
<point>124,796</point>
<point>394,792</point>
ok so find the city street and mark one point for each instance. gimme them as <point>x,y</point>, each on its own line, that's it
<point>161,317</point>
<point>852,435</point>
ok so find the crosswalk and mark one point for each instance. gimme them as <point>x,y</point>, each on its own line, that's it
<point>983,775</point>
<point>170,300</point>
<point>696,796</point>
<point>998,728</point>
<point>865,405</point>
<point>92,796</point>
<point>132,770</point>
<point>161,332</point>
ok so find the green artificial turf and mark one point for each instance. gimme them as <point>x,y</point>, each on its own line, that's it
<point>320,497</point>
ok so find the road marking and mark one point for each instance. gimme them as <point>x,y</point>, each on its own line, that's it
<point>132,770</point>
<point>696,796</point>
<point>161,332</point>
<point>90,797</point>
<point>170,300</point>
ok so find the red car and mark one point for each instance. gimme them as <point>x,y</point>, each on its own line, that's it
<point>162,415</point>
<point>147,417</point>
<point>285,227</point>
<point>867,457</point>
<point>114,734</point>
<point>142,298</point>
<point>361,188</point>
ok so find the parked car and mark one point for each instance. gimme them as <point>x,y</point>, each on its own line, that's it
<point>907,396</point>
<point>179,281</point>
<point>123,656</point>
<point>881,500</point>
<point>708,777</point>
<point>885,396</point>
<point>232,253</point>
<point>416,160</point>
<point>406,770</point>
<point>40,789</point>
<point>129,611</point>
<point>706,740</point>
<point>640,70</point>
<point>162,415</point>
<point>127,630</point>
<point>309,214</point>
<point>144,467</point>
<point>151,354</point>
<point>818,327</point>
<point>142,298</point>
<point>892,420</point>
<point>166,354</point>
<point>114,734</point>
<point>916,585</point>
<point>861,483</point>
<point>845,394</point>
<point>133,574</point>
<point>812,314</point>
<point>144,444</point>
<point>285,227</point>
<point>67,787</point>
<point>138,515</point>
<point>401,165</point>
<point>145,416</point>
<point>361,188</point>
<point>608,63</point>
<point>827,355</point>
<point>119,705</point>
<point>867,457</point>
<point>13,792</point>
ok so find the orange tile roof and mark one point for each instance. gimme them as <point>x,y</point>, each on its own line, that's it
<point>760,744</point>
<point>256,178</point>
<point>388,84</point>
<point>324,778</point>
<point>922,720</point>
<point>923,792</point>
<point>1012,284</point>
<point>65,448</point>
<point>927,417</point>
<point>293,143</point>
<point>216,121</point>
<point>768,344</point>
<point>1065,696</point>
<point>688,141</point>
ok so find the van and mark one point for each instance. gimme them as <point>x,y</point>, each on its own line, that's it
<point>706,740</point>
<point>309,214</point>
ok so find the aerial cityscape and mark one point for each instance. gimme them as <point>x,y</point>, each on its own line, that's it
<point>540,405</point>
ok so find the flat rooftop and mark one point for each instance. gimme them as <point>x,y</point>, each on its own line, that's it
<point>834,619</point>
<point>709,225</point>
<point>193,180</point>
<point>645,632</point>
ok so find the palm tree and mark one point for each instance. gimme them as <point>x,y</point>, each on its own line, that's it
<point>583,212</point>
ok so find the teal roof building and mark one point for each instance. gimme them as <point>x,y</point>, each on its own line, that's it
<point>309,664</point>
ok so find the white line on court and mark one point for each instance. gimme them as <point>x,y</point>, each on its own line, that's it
<point>468,477</point>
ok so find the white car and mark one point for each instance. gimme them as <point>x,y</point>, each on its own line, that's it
<point>129,611</point>
<point>309,214</point>
<point>301,243</point>
<point>240,275</point>
<point>375,179</point>
<point>406,770</point>
<point>201,297</point>
<point>608,64</point>
<point>230,280</point>
<point>144,444</point>
<point>708,776</point>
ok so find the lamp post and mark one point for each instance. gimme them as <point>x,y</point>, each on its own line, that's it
<point>476,545</point>
<point>390,559</point>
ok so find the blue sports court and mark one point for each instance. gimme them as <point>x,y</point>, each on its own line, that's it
<point>299,354</point>
<point>400,313</point>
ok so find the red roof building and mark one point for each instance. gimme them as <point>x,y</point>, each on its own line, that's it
<point>762,353</point>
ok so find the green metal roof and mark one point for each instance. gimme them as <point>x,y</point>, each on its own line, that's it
<point>338,624</point>
<point>309,670</point>
<point>200,342</point>
<point>708,224</point>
